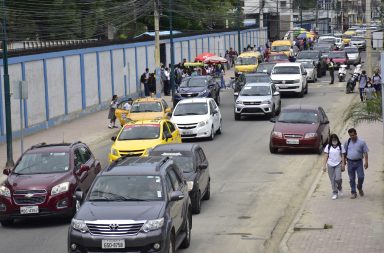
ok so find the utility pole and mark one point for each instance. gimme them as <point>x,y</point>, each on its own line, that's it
<point>157,48</point>
<point>7,92</point>
<point>317,16</point>
<point>278,21</point>
<point>238,27</point>
<point>368,35</point>
<point>301,13</point>
<point>327,7</point>
<point>172,74</point>
<point>342,15</point>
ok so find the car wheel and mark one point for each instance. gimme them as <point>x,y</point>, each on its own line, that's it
<point>279,110</point>
<point>318,72</point>
<point>319,150</point>
<point>272,149</point>
<point>220,130</point>
<point>212,134</point>
<point>187,230</point>
<point>306,89</point>
<point>273,112</point>
<point>301,93</point>
<point>196,204</point>
<point>237,116</point>
<point>7,222</point>
<point>217,100</point>
<point>171,247</point>
<point>207,194</point>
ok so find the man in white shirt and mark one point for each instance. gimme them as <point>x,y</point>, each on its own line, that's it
<point>128,105</point>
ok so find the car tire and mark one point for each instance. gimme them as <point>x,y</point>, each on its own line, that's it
<point>319,150</point>
<point>272,149</point>
<point>237,116</point>
<point>301,93</point>
<point>187,229</point>
<point>207,194</point>
<point>319,72</point>
<point>196,204</point>
<point>171,247</point>
<point>273,112</point>
<point>217,100</point>
<point>220,130</point>
<point>212,136</point>
<point>306,89</point>
<point>279,110</point>
<point>7,222</point>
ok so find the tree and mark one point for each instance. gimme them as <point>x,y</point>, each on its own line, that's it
<point>370,110</point>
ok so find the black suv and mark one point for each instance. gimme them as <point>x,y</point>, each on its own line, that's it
<point>190,158</point>
<point>314,55</point>
<point>137,204</point>
<point>198,86</point>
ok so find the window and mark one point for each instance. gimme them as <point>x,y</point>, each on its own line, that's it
<point>168,183</point>
<point>211,107</point>
<point>78,159</point>
<point>165,130</point>
<point>165,105</point>
<point>171,127</point>
<point>85,153</point>
<point>201,155</point>
<point>283,4</point>
<point>174,179</point>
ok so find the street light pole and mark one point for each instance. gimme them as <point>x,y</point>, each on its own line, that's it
<point>172,74</point>
<point>7,92</point>
<point>238,27</point>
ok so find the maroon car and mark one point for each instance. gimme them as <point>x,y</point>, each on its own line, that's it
<point>300,127</point>
<point>44,181</point>
<point>339,58</point>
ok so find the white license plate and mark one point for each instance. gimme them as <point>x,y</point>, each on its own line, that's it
<point>29,209</point>
<point>112,244</point>
<point>187,132</point>
<point>292,141</point>
<point>283,86</point>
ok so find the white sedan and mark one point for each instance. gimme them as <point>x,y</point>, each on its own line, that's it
<point>311,69</point>
<point>197,118</point>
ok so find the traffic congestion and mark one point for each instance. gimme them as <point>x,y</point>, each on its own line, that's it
<point>158,174</point>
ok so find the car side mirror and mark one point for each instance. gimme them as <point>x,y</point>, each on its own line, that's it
<point>167,136</point>
<point>177,195</point>
<point>6,171</point>
<point>113,138</point>
<point>168,110</point>
<point>79,195</point>
<point>215,111</point>
<point>203,166</point>
<point>273,120</point>
<point>276,93</point>
<point>83,168</point>
<point>326,122</point>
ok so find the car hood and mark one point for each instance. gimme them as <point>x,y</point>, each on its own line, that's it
<point>136,144</point>
<point>128,210</point>
<point>280,77</point>
<point>246,68</point>
<point>145,115</point>
<point>191,89</point>
<point>290,128</point>
<point>35,181</point>
<point>189,119</point>
<point>254,98</point>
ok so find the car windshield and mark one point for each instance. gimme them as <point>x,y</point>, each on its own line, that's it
<point>191,109</point>
<point>255,91</point>
<point>278,57</point>
<point>337,55</point>
<point>258,79</point>
<point>264,68</point>
<point>347,36</point>
<point>357,39</point>
<point>139,132</point>
<point>302,116</point>
<point>308,55</point>
<point>352,50</point>
<point>43,163</point>
<point>246,61</point>
<point>146,107</point>
<point>183,160</point>
<point>127,188</point>
<point>194,82</point>
<point>279,48</point>
<point>327,40</point>
<point>307,64</point>
<point>286,70</point>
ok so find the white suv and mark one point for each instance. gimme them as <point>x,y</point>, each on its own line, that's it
<point>290,77</point>
<point>197,118</point>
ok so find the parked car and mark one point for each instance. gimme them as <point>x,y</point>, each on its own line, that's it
<point>135,205</point>
<point>338,57</point>
<point>198,86</point>
<point>243,79</point>
<point>265,67</point>
<point>143,109</point>
<point>300,127</point>
<point>198,118</point>
<point>353,54</point>
<point>192,161</point>
<point>258,99</point>
<point>135,137</point>
<point>44,181</point>
<point>311,69</point>
<point>290,78</point>
<point>358,42</point>
<point>278,57</point>
<point>314,55</point>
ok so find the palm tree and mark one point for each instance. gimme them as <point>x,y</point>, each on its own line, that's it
<point>370,110</point>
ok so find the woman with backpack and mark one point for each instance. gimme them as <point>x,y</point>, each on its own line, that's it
<point>334,162</point>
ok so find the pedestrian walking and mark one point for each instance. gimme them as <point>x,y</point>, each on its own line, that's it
<point>111,113</point>
<point>369,90</point>
<point>167,76</point>
<point>363,80</point>
<point>331,68</point>
<point>128,105</point>
<point>334,162</point>
<point>355,151</point>
<point>376,80</point>
<point>144,80</point>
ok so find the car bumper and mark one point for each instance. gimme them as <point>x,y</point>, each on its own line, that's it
<point>140,243</point>
<point>309,143</point>
<point>61,204</point>
<point>196,132</point>
<point>253,110</point>
<point>288,88</point>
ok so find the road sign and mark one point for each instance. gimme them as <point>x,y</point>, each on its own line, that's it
<point>20,90</point>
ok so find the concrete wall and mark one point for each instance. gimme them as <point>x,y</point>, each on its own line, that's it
<point>67,84</point>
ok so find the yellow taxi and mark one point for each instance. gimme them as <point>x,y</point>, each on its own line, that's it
<point>143,109</point>
<point>347,36</point>
<point>136,137</point>
<point>248,62</point>
<point>281,46</point>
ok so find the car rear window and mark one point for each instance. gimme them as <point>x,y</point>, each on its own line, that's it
<point>336,55</point>
<point>185,109</point>
<point>43,163</point>
<point>146,107</point>
<point>298,116</point>
<point>255,91</point>
<point>308,55</point>
<point>183,160</point>
<point>351,50</point>
<point>286,70</point>
<point>258,79</point>
<point>194,82</point>
<point>139,132</point>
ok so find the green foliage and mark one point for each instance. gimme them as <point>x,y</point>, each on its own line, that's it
<point>370,110</point>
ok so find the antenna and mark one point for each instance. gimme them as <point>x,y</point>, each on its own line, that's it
<point>63,137</point>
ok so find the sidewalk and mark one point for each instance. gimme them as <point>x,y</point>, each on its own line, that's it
<point>344,225</point>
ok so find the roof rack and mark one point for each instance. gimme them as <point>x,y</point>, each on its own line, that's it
<point>162,162</point>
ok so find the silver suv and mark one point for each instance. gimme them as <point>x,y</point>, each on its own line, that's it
<point>258,99</point>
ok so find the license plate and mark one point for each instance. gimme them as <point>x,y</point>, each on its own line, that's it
<point>29,209</point>
<point>283,86</point>
<point>187,132</point>
<point>292,141</point>
<point>113,244</point>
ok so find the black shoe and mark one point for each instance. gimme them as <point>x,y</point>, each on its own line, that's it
<point>361,192</point>
<point>353,196</point>
<point>330,83</point>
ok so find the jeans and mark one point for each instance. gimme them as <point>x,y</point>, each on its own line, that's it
<point>361,90</point>
<point>146,89</point>
<point>334,173</point>
<point>356,167</point>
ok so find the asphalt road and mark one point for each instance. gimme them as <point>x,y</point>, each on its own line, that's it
<point>254,194</point>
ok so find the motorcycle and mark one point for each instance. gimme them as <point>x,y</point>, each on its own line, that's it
<point>353,79</point>
<point>342,73</point>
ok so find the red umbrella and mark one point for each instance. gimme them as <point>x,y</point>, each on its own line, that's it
<point>215,59</point>
<point>203,56</point>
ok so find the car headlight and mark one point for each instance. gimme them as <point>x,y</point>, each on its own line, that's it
<point>297,81</point>
<point>310,135</point>
<point>114,152</point>
<point>60,188</point>
<point>203,123</point>
<point>152,225</point>
<point>79,225</point>
<point>190,185</point>
<point>239,102</point>
<point>277,134</point>
<point>4,191</point>
<point>266,102</point>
